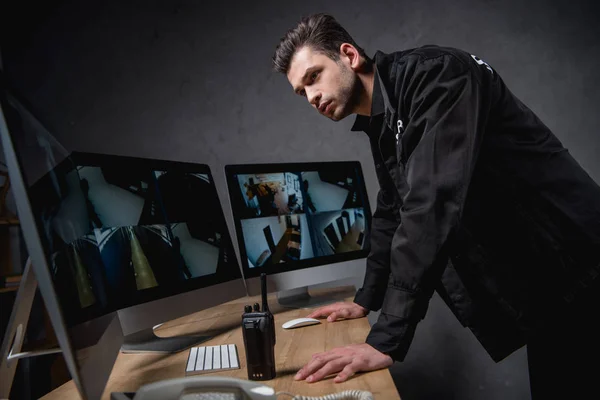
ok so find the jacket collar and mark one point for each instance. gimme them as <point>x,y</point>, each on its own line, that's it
<point>380,103</point>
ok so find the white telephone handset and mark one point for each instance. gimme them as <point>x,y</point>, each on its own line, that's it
<point>221,388</point>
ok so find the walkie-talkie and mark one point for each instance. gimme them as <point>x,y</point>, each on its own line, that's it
<point>259,338</point>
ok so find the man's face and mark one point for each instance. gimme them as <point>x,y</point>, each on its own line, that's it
<point>331,87</point>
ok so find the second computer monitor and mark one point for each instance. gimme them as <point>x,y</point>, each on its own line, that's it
<point>159,234</point>
<point>293,217</point>
<point>137,236</point>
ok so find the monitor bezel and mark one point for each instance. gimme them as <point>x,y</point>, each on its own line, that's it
<point>231,170</point>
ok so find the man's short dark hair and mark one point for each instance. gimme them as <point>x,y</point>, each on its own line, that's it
<point>319,31</point>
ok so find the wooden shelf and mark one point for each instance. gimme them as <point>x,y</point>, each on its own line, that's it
<point>9,219</point>
<point>11,283</point>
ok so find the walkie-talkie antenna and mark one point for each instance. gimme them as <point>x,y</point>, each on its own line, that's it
<point>263,291</point>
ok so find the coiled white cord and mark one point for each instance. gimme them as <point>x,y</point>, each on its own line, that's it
<point>345,395</point>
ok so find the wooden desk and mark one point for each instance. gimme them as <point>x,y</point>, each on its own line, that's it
<point>294,348</point>
<point>349,241</point>
<point>284,244</point>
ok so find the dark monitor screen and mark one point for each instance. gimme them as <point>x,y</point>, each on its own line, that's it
<point>123,231</point>
<point>291,216</point>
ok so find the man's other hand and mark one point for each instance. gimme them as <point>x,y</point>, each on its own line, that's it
<point>349,360</point>
<point>347,310</point>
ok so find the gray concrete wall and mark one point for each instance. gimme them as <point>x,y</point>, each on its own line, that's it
<point>191,81</point>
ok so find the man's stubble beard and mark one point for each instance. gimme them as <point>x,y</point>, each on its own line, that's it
<point>349,94</point>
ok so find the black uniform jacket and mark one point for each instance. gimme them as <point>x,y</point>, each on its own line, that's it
<point>478,200</point>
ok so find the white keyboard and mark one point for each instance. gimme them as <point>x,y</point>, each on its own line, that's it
<point>206,359</point>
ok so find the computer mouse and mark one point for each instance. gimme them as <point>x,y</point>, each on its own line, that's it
<point>298,322</point>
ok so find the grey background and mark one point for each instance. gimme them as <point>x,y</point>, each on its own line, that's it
<point>191,81</point>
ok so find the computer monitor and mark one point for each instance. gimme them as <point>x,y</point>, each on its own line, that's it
<point>301,223</point>
<point>30,153</point>
<point>118,244</point>
<point>158,231</point>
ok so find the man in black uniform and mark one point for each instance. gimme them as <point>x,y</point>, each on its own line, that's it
<point>478,200</point>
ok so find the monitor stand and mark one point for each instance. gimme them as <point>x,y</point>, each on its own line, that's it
<point>14,337</point>
<point>300,298</point>
<point>146,341</point>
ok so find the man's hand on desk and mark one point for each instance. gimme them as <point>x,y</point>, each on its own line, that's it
<point>348,359</point>
<point>347,310</point>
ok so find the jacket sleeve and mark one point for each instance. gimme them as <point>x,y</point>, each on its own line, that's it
<point>440,142</point>
<point>384,224</point>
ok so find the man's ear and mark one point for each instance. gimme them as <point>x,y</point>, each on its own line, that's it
<point>350,56</point>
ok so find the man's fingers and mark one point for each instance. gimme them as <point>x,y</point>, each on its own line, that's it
<point>326,310</point>
<point>331,367</point>
<point>318,362</point>
<point>347,372</point>
<point>339,313</point>
<point>349,359</point>
<point>320,312</point>
<point>316,314</point>
<point>315,364</point>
